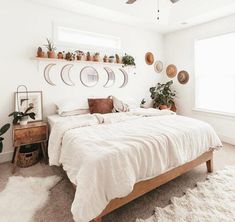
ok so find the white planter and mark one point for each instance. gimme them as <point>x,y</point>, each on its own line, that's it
<point>24,121</point>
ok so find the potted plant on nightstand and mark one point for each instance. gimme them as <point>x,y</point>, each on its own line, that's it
<point>51,49</point>
<point>22,117</point>
<point>3,130</point>
<point>163,96</point>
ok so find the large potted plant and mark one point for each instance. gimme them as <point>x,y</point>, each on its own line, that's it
<point>22,117</point>
<point>3,130</point>
<point>163,96</point>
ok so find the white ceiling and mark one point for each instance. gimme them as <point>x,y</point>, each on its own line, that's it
<point>143,13</point>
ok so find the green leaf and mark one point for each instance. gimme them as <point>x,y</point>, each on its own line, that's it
<point>1,146</point>
<point>32,115</point>
<point>28,109</point>
<point>4,128</point>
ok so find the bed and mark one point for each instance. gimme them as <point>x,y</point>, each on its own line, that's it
<point>112,159</point>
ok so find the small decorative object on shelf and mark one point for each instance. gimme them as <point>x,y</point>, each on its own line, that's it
<point>128,60</point>
<point>51,49</point>
<point>60,55</point>
<point>163,96</point>
<point>106,59</point>
<point>40,53</point>
<point>69,56</point>
<point>143,101</point>
<point>118,59</point>
<point>22,117</point>
<point>88,56</point>
<point>97,57</point>
<point>3,130</point>
<point>111,59</point>
<point>80,54</point>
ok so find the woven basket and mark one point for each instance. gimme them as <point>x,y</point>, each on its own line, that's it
<point>26,159</point>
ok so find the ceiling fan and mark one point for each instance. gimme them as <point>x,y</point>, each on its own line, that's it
<point>132,1</point>
<point>158,10</point>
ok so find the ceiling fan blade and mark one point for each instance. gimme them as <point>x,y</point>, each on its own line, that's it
<point>174,1</point>
<point>130,1</point>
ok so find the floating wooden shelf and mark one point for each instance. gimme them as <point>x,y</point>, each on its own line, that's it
<point>78,61</point>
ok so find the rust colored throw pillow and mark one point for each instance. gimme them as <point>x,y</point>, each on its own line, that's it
<point>100,105</point>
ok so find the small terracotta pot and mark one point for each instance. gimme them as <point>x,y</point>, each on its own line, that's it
<point>60,56</point>
<point>89,58</point>
<point>164,107</point>
<point>106,60</point>
<point>96,58</point>
<point>79,57</point>
<point>40,54</point>
<point>51,54</point>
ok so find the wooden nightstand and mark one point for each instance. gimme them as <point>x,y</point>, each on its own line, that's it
<point>32,133</point>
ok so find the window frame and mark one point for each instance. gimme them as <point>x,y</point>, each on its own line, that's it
<point>84,46</point>
<point>225,115</point>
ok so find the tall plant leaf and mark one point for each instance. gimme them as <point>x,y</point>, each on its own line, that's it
<point>4,128</point>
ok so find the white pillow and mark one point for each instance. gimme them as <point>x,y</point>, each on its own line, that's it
<point>132,104</point>
<point>64,106</point>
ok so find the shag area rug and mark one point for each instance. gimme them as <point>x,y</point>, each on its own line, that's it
<point>212,200</point>
<point>23,196</point>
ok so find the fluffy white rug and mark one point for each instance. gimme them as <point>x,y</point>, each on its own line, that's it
<point>23,196</point>
<point>212,200</point>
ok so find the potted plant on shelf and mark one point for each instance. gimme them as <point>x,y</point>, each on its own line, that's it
<point>106,59</point>
<point>163,96</point>
<point>111,59</point>
<point>51,49</point>
<point>40,53</point>
<point>97,57</point>
<point>128,60</point>
<point>23,117</point>
<point>118,59</point>
<point>80,55</point>
<point>69,56</point>
<point>88,56</point>
<point>60,55</point>
<point>3,130</point>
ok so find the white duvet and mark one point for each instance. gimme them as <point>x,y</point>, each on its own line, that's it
<point>105,155</point>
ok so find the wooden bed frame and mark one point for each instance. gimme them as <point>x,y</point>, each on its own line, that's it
<point>146,186</point>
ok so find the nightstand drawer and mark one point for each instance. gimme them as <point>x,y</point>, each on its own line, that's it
<point>32,135</point>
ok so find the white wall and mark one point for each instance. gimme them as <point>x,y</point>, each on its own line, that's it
<point>179,50</point>
<point>24,27</point>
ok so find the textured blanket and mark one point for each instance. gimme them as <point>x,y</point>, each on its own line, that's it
<point>105,155</point>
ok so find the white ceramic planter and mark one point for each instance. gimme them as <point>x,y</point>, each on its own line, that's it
<point>24,121</point>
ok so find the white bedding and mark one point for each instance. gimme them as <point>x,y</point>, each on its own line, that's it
<point>105,155</point>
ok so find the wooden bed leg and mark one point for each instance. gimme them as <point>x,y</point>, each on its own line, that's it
<point>97,220</point>
<point>209,165</point>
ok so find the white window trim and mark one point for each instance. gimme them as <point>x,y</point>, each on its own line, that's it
<point>230,116</point>
<point>55,26</point>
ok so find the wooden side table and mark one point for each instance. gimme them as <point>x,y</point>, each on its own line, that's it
<point>32,133</point>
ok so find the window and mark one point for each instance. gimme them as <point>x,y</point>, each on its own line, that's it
<point>76,37</point>
<point>215,74</point>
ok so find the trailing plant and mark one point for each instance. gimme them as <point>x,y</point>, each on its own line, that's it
<point>18,116</point>
<point>3,130</point>
<point>50,46</point>
<point>128,60</point>
<point>162,94</point>
<point>97,54</point>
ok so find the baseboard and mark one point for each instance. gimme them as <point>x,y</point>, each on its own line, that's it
<point>227,139</point>
<point>6,157</point>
